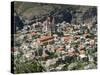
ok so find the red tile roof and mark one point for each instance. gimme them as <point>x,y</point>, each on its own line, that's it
<point>45,38</point>
<point>67,37</point>
<point>60,49</point>
<point>33,33</point>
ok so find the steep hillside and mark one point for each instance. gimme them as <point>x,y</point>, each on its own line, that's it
<point>76,14</point>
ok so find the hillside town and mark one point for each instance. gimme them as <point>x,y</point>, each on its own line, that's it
<point>46,46</point>
<point>68,43</point>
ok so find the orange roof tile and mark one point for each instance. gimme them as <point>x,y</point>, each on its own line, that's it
<point>45,38</point>
<point>33,33</point>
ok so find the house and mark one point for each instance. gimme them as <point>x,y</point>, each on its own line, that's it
<point>67,38</point>
<point>45,39</point>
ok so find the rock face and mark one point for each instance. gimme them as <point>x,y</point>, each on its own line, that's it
<point>18,23</point>
<point>31,12</point>
<point>63,16</point>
